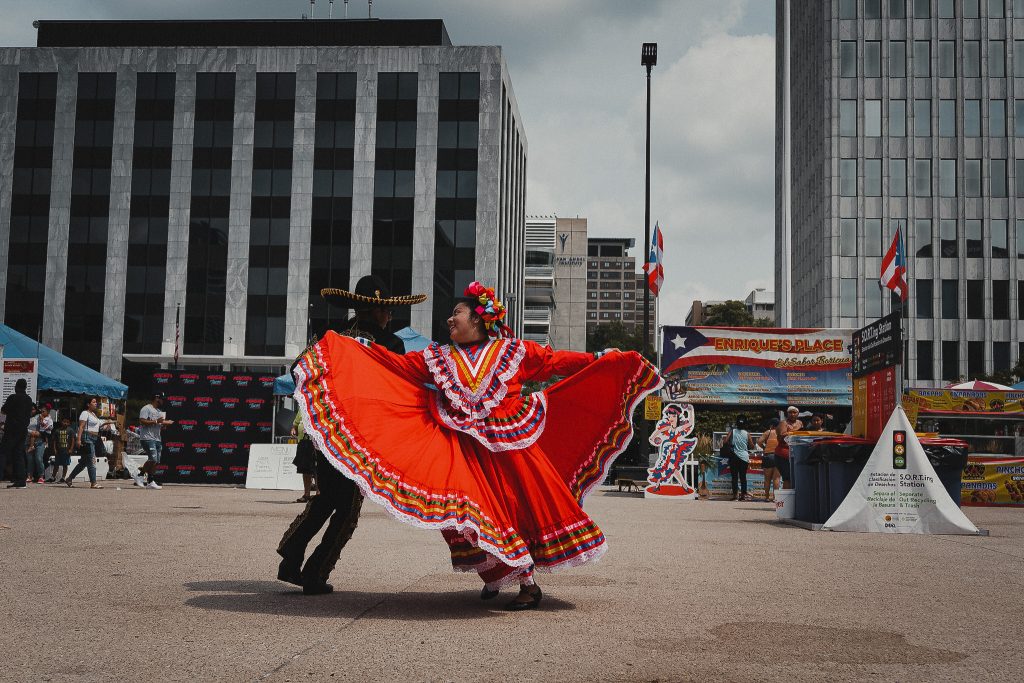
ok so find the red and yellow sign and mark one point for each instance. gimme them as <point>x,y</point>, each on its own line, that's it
<point>966,401</point>
<point>993,482</point>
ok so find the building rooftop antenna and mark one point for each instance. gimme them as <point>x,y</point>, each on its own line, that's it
<point>369,9</point>
<point>346,9</point>
<point>312,4</point>
<point>330,11</point>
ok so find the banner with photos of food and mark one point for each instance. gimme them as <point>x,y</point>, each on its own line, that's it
<point>993,482</point>
<point>966,401</point>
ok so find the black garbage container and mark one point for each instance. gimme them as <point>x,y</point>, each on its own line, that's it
<point>841,460</point>
<point>949,458</point>
<point>804,475</point>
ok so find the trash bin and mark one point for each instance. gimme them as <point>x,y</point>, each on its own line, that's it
<point>805,478</point>
<point>949,458</point>
<point>840,462</point>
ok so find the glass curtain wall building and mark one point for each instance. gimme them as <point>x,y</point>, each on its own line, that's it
<point>904,113</point>
<point>183,199</point>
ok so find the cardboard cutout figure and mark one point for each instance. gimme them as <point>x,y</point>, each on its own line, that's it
<point>670,435</point>
<point>898,491</point>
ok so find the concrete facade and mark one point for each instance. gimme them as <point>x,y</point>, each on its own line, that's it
<point>500,198</point>
<point>914,121</point>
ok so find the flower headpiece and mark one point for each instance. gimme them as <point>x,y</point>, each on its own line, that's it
<point>489,308</point>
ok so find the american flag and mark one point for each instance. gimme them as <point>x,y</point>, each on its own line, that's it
<point>894,266</point>
<point>654,268</point>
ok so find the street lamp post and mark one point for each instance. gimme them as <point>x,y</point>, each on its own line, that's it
<point>648,58</point>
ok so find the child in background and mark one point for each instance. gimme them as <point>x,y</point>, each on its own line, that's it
<point>63,442</point>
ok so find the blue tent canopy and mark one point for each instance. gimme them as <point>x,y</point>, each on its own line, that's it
<point>413,340</point>
<point>57,372</point>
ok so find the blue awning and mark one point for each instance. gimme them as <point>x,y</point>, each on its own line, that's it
<point>413,340</point>
<point>57,372</point>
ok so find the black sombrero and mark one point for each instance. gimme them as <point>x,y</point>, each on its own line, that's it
<point>370,292</point>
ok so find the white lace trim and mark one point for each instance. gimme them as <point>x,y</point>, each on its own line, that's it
<point>610,459</point>
<point>495,447</point>
<point>469,529</point>
<point>473,404</point>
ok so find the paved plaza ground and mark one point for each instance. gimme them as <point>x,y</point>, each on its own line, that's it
<point>179,585</point>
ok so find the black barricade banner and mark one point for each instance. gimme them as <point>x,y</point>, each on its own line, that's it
<point>216,416</point>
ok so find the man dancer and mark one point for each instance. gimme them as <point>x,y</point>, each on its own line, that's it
<point>337,497</point>
<point>152,420</point>
<point>18,409</point>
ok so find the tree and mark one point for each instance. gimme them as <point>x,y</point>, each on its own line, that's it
<point>734,313</point>
<point>615,335</point>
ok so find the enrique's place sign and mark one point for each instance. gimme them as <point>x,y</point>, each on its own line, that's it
<point>757,365</point>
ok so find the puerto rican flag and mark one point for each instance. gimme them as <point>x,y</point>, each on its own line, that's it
<point>894,266</point>
<point>654,268</point>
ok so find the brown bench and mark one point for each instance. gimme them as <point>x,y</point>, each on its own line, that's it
<point>631,484</point>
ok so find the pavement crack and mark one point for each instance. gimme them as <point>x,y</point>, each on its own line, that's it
<point>983,547</point>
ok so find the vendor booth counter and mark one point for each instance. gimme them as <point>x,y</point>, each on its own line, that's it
<point>826,467</point>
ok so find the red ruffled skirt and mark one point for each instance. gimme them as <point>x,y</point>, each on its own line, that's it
<point>502,513</point>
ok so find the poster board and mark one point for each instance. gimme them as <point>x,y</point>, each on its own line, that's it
<point>967,401</point>
<point>14,369</point>
<point>993,482</point>
<point>270,467</point>
<point>757,366</point>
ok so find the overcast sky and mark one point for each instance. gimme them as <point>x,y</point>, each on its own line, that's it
<point>575,67</point>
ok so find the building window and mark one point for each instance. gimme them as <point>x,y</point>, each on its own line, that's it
<point>998,177</point>
<point>331,227</point>
<point>922,58</point>
<point>210,211</point>
<point>946,10</point>
<point>925,297</point>
<point>996,9</point>
<point>975,300</point>
<point>897,9</point>
<point>1000,299</point>
<point>897,177</point>
<point>972,232</point>
<point>950,361</point>
<point>1018,178</point>
<point>1018,113</point>
<point>848,297</point>
<point>997,118</point>
<point>923,237</point>
<point>947,177</point>
<point>1000,356</point>
<point>922,177</point>
<point>972,178</point>
<point>947,118</point>
<point>947,58</point>
<point>147,228</point>
<point>922,118</point>
<point>972,118</point>
<point>90,206</point>
<point>897,59</point>
<point>897,118</point>
<point>872,236</point>
<point>950,305</point>
<point>848,58</point>
<point>1020,241</point>
<point>269,232</point>
<point>972,58</point>
<point>847,9</point>
<point>971,9</point>
<point>997,228</point>
<point>848,118</point>
<point>1020,302</point>
<point>848,177</point>
<point>848,237</point>
<point>872,9</point>
<point>873,118</point>
<point>997,58</point>
<point>925,360</point>
<point>947,238</point>
<point>872,59</point>
<point>922,9</point>
<point>455,231</point>
<point>873,177</point>
<point>975,358</point>
<point>873,295</point>
<point>30,202</point>
<point>1018,57</point>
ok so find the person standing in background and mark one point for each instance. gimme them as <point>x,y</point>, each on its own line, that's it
<point>153,420</point>
<point>89,425</point>
<point>63,443</point>
<point>39,430</point>
<point>739,458</point>
<point>18,410</point>
<point>768,443</point>
<point>792,423</point>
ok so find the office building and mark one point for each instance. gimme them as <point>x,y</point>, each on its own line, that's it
<point>556,282</point>
<point>185,189</point>
<point>615,290</point>
<point>904,113</point>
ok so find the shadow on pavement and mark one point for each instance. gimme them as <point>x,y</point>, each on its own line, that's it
<point>271,597</point>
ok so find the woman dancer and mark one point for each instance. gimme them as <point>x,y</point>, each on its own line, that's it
<point>444,439</point>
